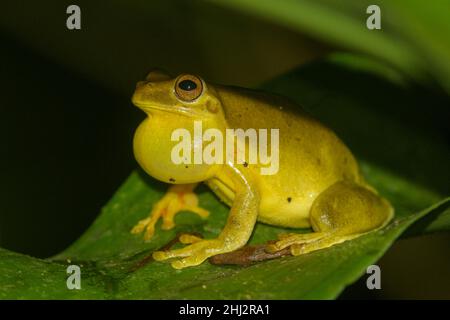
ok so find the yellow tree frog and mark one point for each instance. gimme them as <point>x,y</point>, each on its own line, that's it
<point>318,184</point>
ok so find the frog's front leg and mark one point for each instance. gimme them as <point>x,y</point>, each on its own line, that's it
<point>234,235</point>
<point>178,198</point>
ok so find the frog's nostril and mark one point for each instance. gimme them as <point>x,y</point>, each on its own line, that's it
<point>140,84</point>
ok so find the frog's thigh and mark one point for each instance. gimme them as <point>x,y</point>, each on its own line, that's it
<point>342,212</point>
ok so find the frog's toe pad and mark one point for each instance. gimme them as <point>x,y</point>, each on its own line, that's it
<point>140,226</point>
<point>189,261</point>
<point>191,255</point>
<point>189,238</point>
<point>160,255</point>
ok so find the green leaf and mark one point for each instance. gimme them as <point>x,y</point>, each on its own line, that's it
<point>109,256</point>
<point>399,155</point>
<point>413,36</point>
<point>437,222</point>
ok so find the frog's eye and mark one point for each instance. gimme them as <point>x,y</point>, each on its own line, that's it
<point>188,88</point>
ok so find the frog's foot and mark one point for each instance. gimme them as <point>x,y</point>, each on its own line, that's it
<point>289,239</point>
<point>305,243</point>
<point>175,200</point>
<point>342,212</point>
<point>328,240</point>
<point>194,254</point>
<point>187,238</point>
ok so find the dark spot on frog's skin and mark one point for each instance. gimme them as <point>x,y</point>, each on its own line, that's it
<point>186,167</point>
<point>172,180</point>
<point>319,162</point>
<point>345,160</point>
<point>245,164</point>
<point>289,199</point>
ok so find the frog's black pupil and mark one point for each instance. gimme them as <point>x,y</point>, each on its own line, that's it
<point>187,85</point>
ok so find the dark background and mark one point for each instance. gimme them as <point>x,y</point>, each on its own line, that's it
<point>67,122</point>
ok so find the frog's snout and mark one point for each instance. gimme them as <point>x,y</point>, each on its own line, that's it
<point>142,89</point>
<point>140,84</point>
<point>136,98</point>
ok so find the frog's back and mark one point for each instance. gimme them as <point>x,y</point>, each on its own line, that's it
<point>311,156</point>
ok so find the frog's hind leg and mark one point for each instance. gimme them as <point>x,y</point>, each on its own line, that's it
<point>342,212</point>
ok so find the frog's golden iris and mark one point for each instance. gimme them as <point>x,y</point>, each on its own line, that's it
<point>188,87</point>
<point>318,184</point>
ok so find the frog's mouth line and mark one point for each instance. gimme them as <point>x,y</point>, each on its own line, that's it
<point>180,110</point>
